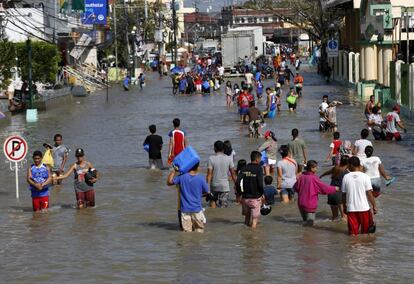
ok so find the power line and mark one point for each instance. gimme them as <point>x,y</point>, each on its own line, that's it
<point>32,24</point>
<point>48,40</point>
<point>43,12</point>
<point>31,34</point>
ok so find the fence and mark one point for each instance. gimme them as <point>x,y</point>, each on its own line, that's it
<point>345,67</point>
<point>402,86</point>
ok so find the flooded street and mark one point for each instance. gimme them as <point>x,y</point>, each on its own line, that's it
<point>132,235</point>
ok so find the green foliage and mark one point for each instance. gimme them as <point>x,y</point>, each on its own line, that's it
<point>7,61</point>
<point>45,60</point>
<point>126,20</point>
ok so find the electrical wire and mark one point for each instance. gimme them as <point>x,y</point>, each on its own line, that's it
<point>32,25</point>
<point>48,40</point>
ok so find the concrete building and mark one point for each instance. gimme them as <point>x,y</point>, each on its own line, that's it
<point>376,47</point>
<point>274,28</point>
<point>201,25</point>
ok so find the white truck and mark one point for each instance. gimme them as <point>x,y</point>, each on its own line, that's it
<point>241,42</point>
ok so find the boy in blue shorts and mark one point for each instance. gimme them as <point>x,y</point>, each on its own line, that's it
<point>193,187</point>
<point>39,178</point>
<point>269,191</point>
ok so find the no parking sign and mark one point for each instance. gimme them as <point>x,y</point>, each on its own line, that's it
<point>15,149</point>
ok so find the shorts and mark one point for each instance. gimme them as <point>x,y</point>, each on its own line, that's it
<point>193,221</point>
<point>292,106</point>
<point>271,114</point>
<point>389,136</point>
<point>288,191</point>
<point>270,162</point>
<point>243,110</point>
<point>376,186</point>
<point>378,135</point>
<point>308,217</point>
<point>155,163</point>
<point>323,125</point>
<point>335,199</point>
<point>87,199</point>
<point>221,198</point>
<point>40,203</point>
<point>251,206</point>
<point>359,222</point>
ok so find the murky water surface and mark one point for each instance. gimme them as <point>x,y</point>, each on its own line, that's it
<point>132,237</point>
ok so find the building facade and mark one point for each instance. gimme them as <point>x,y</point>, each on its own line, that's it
<point>274,28</point>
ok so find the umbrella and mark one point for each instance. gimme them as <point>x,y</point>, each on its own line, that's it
<point>177,69</point>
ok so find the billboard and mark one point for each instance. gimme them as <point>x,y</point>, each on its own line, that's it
<point>95,12</point>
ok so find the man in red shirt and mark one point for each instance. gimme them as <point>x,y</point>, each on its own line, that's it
<point>178,141</point>
<point>334,148</point>
<point>244,101</point>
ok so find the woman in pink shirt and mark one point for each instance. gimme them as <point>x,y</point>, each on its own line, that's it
<point>308,187</point>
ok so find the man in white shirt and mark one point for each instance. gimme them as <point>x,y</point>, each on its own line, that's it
<point>375,124</point>
<point>357,192</point>
<point>249,78</point>
<point>221,70</point>
<point>360,144</point>
<point>393,120</point>
<point>323,125</point>
<point>374,168</point>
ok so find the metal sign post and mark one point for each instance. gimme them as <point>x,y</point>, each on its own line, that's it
<point>332,48</point>
<point>15,150</point>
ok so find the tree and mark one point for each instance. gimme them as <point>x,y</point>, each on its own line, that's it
<point>126,19</point>
<point>45,60</point>
<point>7,62</point>
<point>307,15</point>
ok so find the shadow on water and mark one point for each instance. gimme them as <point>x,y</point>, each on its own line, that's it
<point>224,221</point>
<point>316,226</point>
<point>51,209</point>
<point>162,225</point>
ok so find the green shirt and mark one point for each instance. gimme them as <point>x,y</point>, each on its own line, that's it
<point>296,148</point>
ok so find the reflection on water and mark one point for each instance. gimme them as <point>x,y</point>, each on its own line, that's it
<point>132,237</point>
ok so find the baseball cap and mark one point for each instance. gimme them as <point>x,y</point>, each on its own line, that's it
<point>79,152</point>
<point>267,133</point>
<point>278,85</point>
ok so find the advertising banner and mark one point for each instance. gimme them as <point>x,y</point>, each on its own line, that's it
<point>95,12</point>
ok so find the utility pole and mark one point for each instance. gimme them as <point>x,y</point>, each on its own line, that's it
<point>127,37</point>
<point>29,53</point>
<point>146,10</point>
<point>175,31</point>
<point>2,12</point>
<point>407,29</point>
<point>116,41</point>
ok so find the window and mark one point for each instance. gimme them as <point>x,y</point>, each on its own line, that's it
<point>250,20</point>
<point>275,19</point>
<point>266,19</point>
<point>237,20</point>
<point>242,20</point>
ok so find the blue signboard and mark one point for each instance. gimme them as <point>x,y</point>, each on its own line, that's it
<point>95,12</point>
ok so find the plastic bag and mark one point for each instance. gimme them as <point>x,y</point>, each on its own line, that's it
<point>291,99</point>
<point>48,158</point>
